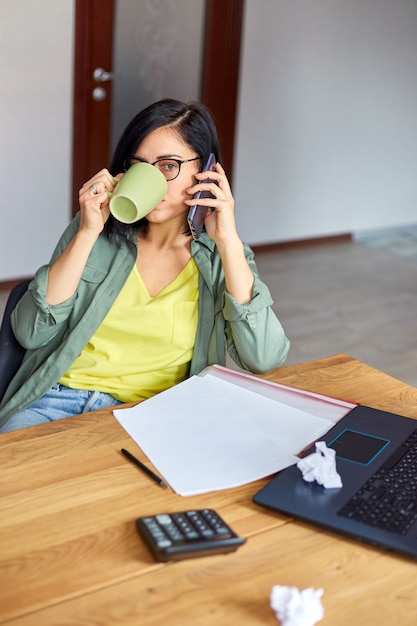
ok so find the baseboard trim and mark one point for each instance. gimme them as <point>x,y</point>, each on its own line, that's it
<point>302,243</point>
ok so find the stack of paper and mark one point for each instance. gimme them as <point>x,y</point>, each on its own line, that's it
<point>207,434</point>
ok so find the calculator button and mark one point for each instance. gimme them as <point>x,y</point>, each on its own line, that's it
<point>202,527</point>
<point>216,523</point>
<point>163,519</point>
<point>174,533</point>
<point>189,531</point>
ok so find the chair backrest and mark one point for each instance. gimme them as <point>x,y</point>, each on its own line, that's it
<point>11,352</point>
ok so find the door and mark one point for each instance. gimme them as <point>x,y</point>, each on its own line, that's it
<point>92,96</point>
<point>93,93</point>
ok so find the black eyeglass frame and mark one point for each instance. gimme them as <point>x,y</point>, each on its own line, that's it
<point>178,161</point>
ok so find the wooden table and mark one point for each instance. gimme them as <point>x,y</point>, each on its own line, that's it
<point>70,553</point>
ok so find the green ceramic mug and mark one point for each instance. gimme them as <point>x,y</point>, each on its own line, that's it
<point>137,193</point>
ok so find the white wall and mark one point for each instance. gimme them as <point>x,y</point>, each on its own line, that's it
<point>36,60</point>
<point>157,54</point>
<point>327,122</point>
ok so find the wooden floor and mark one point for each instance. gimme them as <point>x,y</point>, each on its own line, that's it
<point>345,297</point>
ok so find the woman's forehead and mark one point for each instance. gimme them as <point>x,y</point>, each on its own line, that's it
<point>165,139</point>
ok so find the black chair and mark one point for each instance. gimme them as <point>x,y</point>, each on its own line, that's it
<point>11,352</point>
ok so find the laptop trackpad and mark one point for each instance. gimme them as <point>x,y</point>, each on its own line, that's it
<point>357,447</point>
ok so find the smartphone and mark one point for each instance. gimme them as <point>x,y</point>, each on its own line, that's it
<point>197,213</point>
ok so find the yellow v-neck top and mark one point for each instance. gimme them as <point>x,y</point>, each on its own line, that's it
<point>145,344</point>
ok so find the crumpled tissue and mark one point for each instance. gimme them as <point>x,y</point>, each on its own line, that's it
<point>297,608</point>
<point>321,467</point>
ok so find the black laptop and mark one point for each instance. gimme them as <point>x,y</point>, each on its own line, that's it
<point>376,457</point>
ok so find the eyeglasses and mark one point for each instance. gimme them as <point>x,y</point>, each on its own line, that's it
<point>170,168</point>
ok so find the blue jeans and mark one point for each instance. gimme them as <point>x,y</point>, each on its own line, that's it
<point>58,403</point>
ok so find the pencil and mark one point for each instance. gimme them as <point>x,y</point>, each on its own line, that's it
<point>143,467</point>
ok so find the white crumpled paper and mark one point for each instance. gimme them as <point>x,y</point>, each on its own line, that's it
<point>321,467</point>
<point>297,608</point>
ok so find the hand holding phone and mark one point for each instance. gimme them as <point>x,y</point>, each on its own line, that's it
<point>197,213</point>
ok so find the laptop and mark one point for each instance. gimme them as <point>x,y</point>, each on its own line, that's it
<point>376,457</point>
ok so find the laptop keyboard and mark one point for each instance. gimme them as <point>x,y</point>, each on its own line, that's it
<point>388,499</point>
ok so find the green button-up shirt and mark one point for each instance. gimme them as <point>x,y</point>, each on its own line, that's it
<point>54,335</point>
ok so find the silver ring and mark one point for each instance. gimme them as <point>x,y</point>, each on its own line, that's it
<point>93,189</point>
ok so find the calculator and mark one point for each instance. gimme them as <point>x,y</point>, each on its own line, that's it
<point>176,536</point>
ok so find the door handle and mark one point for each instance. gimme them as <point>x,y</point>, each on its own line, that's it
<point>101,76</point>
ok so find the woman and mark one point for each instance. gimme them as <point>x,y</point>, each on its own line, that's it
<point>123,312</point>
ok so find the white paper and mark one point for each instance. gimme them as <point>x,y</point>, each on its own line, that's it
<point>206,434</point>
<point>320,466</point>
<point>297,608</point>
<point>318,404</point>
<point>291,428</point>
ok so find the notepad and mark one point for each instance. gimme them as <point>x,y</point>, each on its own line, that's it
<point>208,434</point>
